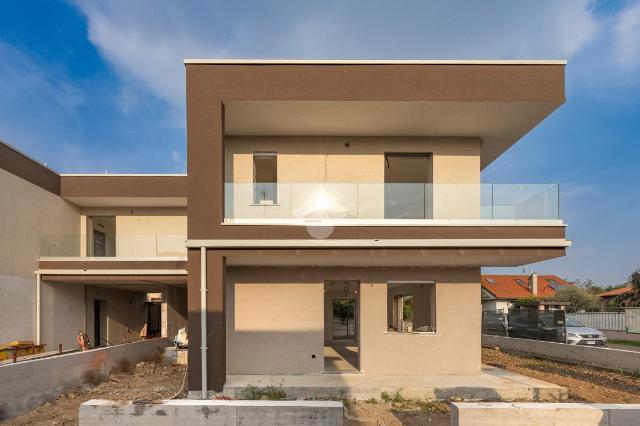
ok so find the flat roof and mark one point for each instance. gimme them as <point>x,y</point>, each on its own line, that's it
<point>378,61</point>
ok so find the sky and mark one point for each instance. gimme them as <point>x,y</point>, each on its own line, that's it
<point>98,86</point>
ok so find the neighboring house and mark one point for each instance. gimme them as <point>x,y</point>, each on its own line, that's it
<point>501,292</point>
<point>336,222</point>
<point>616,293</point>
<point>100,253</point>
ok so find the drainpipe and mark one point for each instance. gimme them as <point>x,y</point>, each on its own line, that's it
<point>203,319</point>
<point>37,308</point>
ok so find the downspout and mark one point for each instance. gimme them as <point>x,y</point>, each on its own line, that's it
<point>37,339</point>
<point>203,320</point>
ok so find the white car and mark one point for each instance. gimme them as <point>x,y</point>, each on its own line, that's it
<point>580,334</point>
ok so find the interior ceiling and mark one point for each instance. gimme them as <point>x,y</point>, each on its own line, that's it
<point>499,124</point>
<point>128,201</point>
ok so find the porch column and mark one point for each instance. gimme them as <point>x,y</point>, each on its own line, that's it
<point>216,321</point>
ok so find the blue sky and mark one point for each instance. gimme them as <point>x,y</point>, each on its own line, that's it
<point>92,86</point>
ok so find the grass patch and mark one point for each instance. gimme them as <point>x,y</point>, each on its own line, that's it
<point>635,343</point>
<point>371,401</point>
<point>252,392</point>
<point>384,396</point>
<point>275,393</point>
<point>272,393</point>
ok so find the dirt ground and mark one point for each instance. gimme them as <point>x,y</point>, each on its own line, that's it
<point>585,384</point>
<point>147,382</point>
<point>152,382</point>
<point>410,413</point>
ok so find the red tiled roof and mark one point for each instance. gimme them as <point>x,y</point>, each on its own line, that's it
<point>506,286</point>
<point>616,292</point>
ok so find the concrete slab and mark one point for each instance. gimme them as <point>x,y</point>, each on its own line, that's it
<point>530,414</point>
<point>492,384</point>
<point>195,413</point>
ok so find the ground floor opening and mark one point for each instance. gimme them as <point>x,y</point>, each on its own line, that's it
<point>345,321</point>
<point>110,310</point>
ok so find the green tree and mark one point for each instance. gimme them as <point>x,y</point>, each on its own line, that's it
<point>579,299</point>
<point>634,282</point>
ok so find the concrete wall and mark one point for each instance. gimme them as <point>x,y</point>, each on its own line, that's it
<point>533,414</point>
<point>175,306</point>
<point>124,314</point>
<point>615,359</point>
<point>28,384</point>
<point>177,412</point>
<point>31,219</point>
<point>275,321</point>
<point>324,160</point>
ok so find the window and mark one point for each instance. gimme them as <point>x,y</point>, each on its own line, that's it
<point>265,178</point>
<point>490,280</point>
<point>519,281</point>
<point>411,307</point>
<point>407,185</point>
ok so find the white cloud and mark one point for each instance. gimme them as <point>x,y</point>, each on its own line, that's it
<point>146,41</point>
<point>627,36</point>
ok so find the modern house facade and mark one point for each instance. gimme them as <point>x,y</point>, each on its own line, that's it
<point>100,253</point>
<point>332,221</point>
<point>337,222</point>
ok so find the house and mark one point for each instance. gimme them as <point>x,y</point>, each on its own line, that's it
<point>336,217</point>
<point>502,292</point>
<point>100,253</point>
<point>616,293</point>
<point>332,220</point>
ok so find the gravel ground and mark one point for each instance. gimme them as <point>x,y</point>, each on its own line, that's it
<point>585,384</point>
<point>151,382</point>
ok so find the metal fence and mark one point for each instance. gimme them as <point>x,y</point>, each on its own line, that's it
<point>613,321</point>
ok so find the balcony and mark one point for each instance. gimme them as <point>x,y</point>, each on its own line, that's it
<point>389,203</point>
<point>110,245</point>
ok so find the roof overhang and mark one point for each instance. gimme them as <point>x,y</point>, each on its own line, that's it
<point>498,124</point>
<point>125,190</point>
<point>496,101</point>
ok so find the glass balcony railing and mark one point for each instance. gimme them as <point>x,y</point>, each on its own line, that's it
<point>151,245</point>
<point>362,202</point>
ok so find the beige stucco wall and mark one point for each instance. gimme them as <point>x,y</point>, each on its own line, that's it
<point>34,221</point>
<point>323,161</point>
<point>124,311</point>
<point>147,231</point>
<point>273,328</point>
<point>275,321</point>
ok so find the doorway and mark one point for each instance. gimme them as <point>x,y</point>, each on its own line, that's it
<point>342,308</point>
<point>408,179</point>
<point>99,323</point>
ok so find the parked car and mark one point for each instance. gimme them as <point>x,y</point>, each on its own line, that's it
<point>537,325</point>
<point>580,334</point>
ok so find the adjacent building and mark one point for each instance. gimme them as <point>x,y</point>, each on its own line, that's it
<point>504,292</point>
<point>100,253</point>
